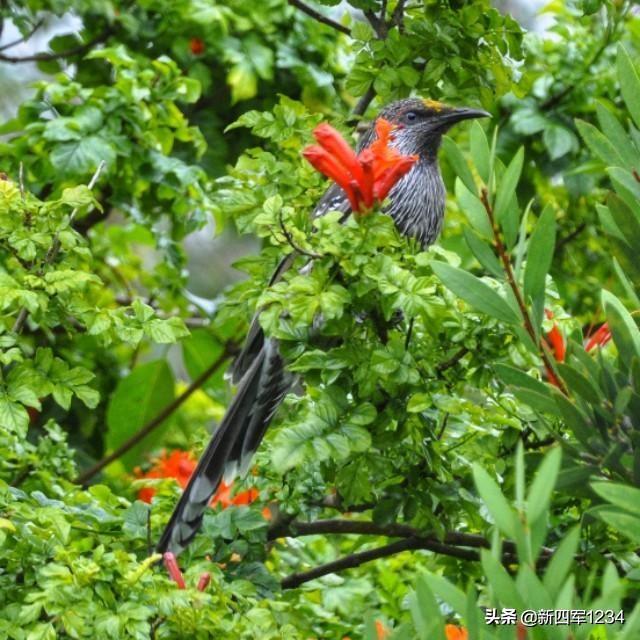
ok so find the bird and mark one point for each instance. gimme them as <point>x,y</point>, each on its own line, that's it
<point>416,203</point>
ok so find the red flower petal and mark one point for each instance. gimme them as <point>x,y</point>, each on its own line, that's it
<point>174,570</point>
<point>204,581</point>
<point>599,338</point>
<point>331,140</point>
<point>389,178</point>
<point>326,164</point>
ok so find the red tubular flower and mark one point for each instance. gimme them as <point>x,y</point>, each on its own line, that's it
<point>326,164</point>
<point>366,178</point>
<point>180,465</point>
<point>204,581</point>
<point>381,630</point>
<point>174,570</point>
<point>196,46</point>
<point>555,342</point>
<point>599,337</point>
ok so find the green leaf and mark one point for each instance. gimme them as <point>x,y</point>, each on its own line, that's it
<point>483,253</point>
<point>627,221</point>
<point>539,495</point>
<point>199,351</point>
<point>629,84</point>
<point>562,561</point>
<point>480,150</point>
<point>82,157</point>
<point>473,209</point>
<point>599,144</point>
<point>426,612</point>
<point>504,210</point>
<point>447,592</point>
<point>139,398</point>
<point>619,138</point>
<point>623,327</point>
<point>494,500</point>
<point>459,164</point>
<point>476,292</point>
<point>503,587</point>
<point>559,141</point>
<point>540,254</point>
<point>621,495</point>
<point>625,523</point>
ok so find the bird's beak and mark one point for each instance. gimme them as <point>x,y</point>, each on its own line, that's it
<point>449,118</point>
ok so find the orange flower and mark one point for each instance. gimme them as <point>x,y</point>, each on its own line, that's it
<point>599,337</point>
<point>366,178</point>
<point>555,342</point>
<point>452,632</point>
<point>180,465</point>
<point>381,631</point>
<point>196,46</point>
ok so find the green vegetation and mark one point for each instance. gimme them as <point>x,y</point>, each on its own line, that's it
<point>467,434</point>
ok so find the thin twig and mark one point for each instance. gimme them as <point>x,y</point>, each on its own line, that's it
<point>290,241</point>
<point>21,181</point>
<point>52,253</point>
<point>158,419</point>
<point>453,360</point>
<point>24,38</point>
<point>45,57</point>
<point>319,17</point>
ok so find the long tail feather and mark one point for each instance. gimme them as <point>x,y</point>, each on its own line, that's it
<point>261,390</point>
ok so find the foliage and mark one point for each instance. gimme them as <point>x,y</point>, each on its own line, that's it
<point>433,383</point>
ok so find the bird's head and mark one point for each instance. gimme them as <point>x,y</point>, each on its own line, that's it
<point>421,123</point>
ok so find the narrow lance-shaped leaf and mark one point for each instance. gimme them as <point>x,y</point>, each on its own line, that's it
<point>459,164</point>
<point>629,84</point>
<point>480,151</point>
<point>474,291</point>
<point>505,209</point>
<point>545,480</point>
<point>626,335</point>
<point>494,500</point>
<point>540,254</point>
<point>599,144</point>
<point>623,496</point>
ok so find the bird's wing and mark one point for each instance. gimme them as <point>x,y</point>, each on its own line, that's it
<point>232,446</point>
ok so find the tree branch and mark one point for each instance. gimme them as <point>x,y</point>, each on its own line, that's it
<point>45,57</point>
<point>319,17</point>
<point>157,420</point>
<point>453,360</point>
<point>356,559</point>
<point>24,38</point>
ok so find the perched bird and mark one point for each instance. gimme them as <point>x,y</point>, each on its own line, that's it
<point>416,204</point>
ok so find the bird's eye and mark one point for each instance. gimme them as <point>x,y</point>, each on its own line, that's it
<point>411,116</point>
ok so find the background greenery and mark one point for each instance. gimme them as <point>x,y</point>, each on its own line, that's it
<point>429,467</point>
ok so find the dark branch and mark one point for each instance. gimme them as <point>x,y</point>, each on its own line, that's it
<point>319,17</point>
<point>356,559</point>
<point>24,38</point>
<point>157,420</point>
<point>69,53</point>
<point>397,18</point>
<point>453,360</point>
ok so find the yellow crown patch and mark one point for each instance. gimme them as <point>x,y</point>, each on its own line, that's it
<point>434,104</point>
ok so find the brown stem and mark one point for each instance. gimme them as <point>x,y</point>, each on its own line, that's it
<point>45,57</point>
<point>319,17</point>
<point>453,360</point>
<point>511,280</point>
<point>158,419</point>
